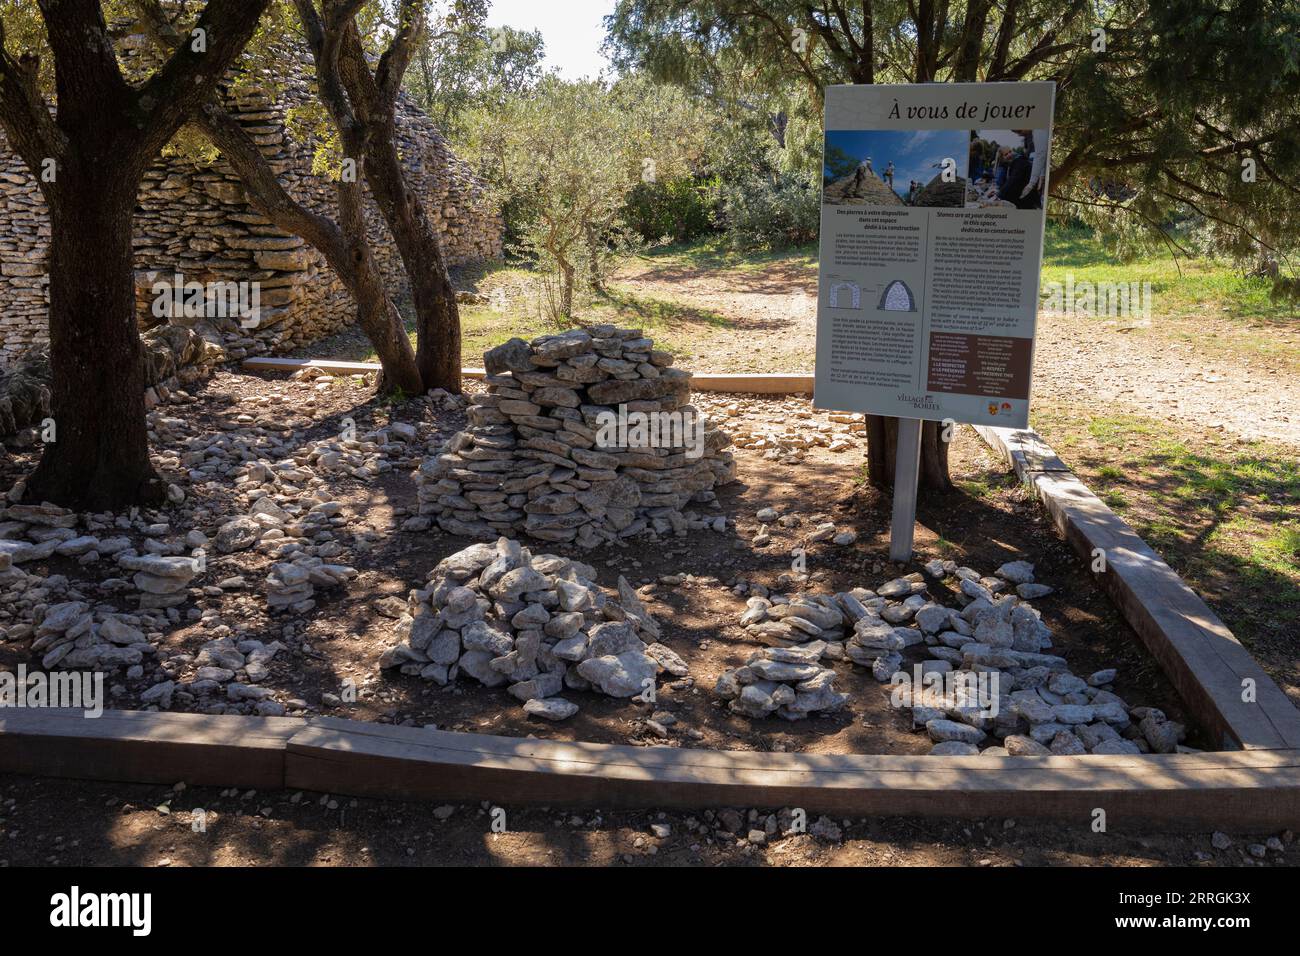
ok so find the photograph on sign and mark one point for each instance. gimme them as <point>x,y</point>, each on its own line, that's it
<point>931,246</point>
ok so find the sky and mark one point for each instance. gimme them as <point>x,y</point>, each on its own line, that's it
<point>573,31</point>
<point>915,154</point>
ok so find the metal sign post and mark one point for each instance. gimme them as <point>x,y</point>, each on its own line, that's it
<point>907,473</point>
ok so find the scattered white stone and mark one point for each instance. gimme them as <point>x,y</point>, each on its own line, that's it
<point>1017,572</point>
<point>552,708</point>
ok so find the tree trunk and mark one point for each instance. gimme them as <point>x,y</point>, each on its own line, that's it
<point>99,459</point>
<point>882,454</point>
<point>437,354</point>
<point>366,103</point>
<point>384,327</point>
<point>379,319</point>
<point>566,289</point>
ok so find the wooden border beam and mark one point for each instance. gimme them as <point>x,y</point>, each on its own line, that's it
<point>1235,789</point>
<point>142,747</point>
<point>1216,677</point>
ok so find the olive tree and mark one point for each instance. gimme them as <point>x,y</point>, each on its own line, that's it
<point>87,135</point>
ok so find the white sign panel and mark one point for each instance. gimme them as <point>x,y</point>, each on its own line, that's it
<point>931,246</point>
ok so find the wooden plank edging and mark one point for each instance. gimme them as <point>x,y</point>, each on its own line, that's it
<point>146,747</point>
<point>1241,789</point>
<point>1206,663</point>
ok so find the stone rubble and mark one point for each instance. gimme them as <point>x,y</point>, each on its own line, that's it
<point>531,463</point>
<point>822,531</point>
<point>1042,707</point>
<point>162,581</point>
<point>789,431</point>
<point>291,584</point>
<point>534,624</point>
<point>74,636</point>
<point>149,579</point>
<point>787,681</point>
<point>145,574</point>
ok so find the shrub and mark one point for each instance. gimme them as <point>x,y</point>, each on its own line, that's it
<point>771,212</point>
<point>677,210</point>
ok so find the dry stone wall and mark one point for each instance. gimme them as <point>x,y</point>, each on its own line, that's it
<point>195,220</point>
<point>541,456</point>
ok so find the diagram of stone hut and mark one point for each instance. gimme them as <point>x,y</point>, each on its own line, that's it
<point>846,295</point>
<point>897,297</point>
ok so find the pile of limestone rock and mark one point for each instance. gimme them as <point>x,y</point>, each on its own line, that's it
<point>74,635</point>
<point>291,585</point>
<point>984,680</point>
<point>171,357</point>
<point>535,624</point>
<point>535,459</point>
<point>787,681</point>
<point>33,533</point>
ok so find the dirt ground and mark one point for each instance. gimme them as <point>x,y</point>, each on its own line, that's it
<point>66,823</point>
<point>686,583</point>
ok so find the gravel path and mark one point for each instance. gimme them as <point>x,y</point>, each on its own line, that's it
<point>1141,372</point>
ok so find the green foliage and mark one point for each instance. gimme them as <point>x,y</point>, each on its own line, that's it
<point>468,67</point>
<point>554,159</point>
<point>675,210</point>
<point>777,212</point>
<point>310,123</point>
<point>1152,131</point>
<point>563,160</point>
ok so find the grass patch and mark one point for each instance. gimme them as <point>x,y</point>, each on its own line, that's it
<point>512,312</point>
<point>1114,499</point>
<point>1116,430</point>
<point>1280,551</point>
<point>975,487</point>
<point>715,254</point>
<point>1225,514</point>
<point>1206,303</point>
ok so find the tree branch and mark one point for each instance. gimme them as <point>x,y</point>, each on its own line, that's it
<point>190,76</point>
<point>24,114</point>
<point>266,193</point>
<point>86,73</point>
<point>394,61</point>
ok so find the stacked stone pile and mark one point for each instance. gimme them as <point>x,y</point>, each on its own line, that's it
<point>533,460</point>
<point>534,624</point>
<point>291,585</point>
<point>162,581</point>
<point>171,357</point>
<point>74,636</point>
<point>787,681</point>
<point>25,396</point>
<point>1031,703</point>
